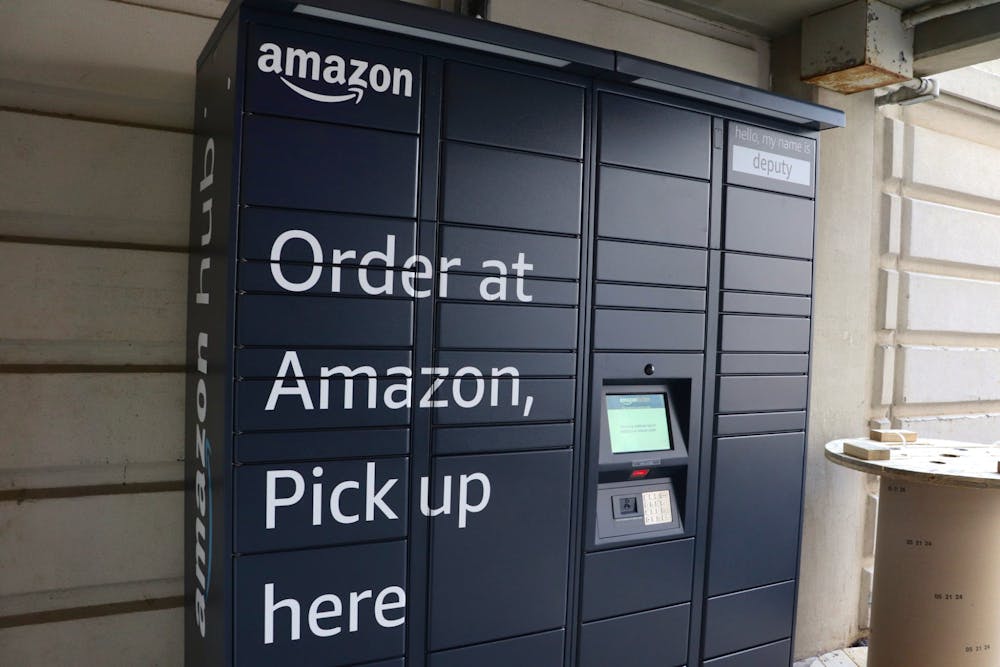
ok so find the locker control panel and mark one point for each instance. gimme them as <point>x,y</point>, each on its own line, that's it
<point>642,459</point>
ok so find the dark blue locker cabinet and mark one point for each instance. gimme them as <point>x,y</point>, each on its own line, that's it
<point>498,349</point>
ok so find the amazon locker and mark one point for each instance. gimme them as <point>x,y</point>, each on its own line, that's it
<point>498,349</point>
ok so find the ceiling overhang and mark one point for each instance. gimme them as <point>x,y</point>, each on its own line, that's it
<point>965,38</point>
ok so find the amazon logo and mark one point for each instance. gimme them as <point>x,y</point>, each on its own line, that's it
<point>306,72</point>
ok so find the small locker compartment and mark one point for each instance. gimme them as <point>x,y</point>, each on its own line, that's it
<point>501,326</point>
<point>758,333</point>
<point>654,137</point>
<point>294,523</point>
<point>641,206</point>
<point>266,93</point>
<point>747,619</point>
<point>754,273</point>
<point>549,256</point>
<point>541,650</point>
<point>642,296</point>
<point>478,182</point>
<point>499,438</point>
<point>552,123</point>
<point>749,393</point>
<point>277,590</point>
<point>622,261</point>
<point>768,223</point>
<point>760,422</point>
<point>771,655</point>
<point>771,364</point>
<point>638,578</point>
<point>657,638</point>
<point>302,164</point>
<point>770,304</point>
<point>264,320</point>
<point>648,330</point>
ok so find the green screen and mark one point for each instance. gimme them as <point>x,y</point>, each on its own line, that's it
<point>637,423</point>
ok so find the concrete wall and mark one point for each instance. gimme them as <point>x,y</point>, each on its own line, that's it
<point>837,506</point>
<point>833,542</point>
<point>96,101</point>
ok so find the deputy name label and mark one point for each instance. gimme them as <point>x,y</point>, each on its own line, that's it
<point>776,156</point>
<point>771,165</point>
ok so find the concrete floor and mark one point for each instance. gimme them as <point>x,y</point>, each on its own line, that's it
<point>848,657</point>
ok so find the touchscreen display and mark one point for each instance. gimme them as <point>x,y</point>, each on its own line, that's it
<point>637,423</point>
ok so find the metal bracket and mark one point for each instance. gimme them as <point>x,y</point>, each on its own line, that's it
<point>911,92</point>
<point>478,9</point>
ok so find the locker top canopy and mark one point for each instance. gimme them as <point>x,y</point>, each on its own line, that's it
<point>435,25</point>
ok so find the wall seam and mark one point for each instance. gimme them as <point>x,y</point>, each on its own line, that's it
<point>94,611</point>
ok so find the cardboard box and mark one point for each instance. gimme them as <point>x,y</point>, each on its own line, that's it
<point>936,597</point>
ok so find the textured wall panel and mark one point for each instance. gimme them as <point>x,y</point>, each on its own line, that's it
<point>101,59</point>
<point>151,639</point>
<point>951,234</point>
<point>983,427</point>
<point>94,182</point>
<point>64,543</point>
<point>950,375</point>
<point>65,298</point>
<point>64,420</point>
<point>943,161</point>
<point>940,303</point>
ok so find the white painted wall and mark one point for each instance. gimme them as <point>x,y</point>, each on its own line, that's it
<point>905,327</point>
<point>937,330</point>
<point>95,163</point>
<point>941,224</point>
<point>96,101</point>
